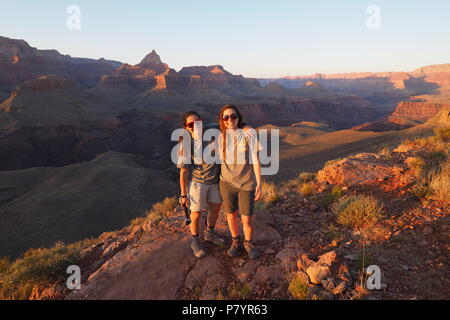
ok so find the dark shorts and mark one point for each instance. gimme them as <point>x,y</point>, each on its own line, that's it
<point>235,199</point>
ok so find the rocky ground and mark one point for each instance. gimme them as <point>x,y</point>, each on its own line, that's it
<point>298,239</point>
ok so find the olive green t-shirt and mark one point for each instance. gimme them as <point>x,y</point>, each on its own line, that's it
<point>236,165</point>
<point>203,173</point>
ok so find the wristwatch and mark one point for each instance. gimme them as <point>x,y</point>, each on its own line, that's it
<point>181,197</point>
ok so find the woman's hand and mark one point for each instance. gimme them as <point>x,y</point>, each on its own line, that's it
<point>184,202</point>
<point>258,192</point>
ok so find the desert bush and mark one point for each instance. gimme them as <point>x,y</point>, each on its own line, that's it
<point>306,189</point>
<point>269,192</point>
<point>332,232</point>
<point>307,176</point>
<point>427,163</point>
<point>432,159</point>
<point>385,152</point>
<point>440,182</point>
<point>239,291</point>
<point>423,142</point>
<point>39,266</point>
<point>421,191</point>
<point>298,288</point>
<point>159,211</point>
<point>418,167</point>
<point>331,197</point>
<point>442,134</point>
<point>359,211</point>
<point>4,264</point>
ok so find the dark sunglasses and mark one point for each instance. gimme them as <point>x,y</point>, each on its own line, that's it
<point>190,125</point>
<point>231,116</point>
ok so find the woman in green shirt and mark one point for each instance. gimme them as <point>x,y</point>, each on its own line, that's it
<point>240,179</point>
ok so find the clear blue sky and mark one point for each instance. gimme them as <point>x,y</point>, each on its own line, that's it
<point>253,38</point>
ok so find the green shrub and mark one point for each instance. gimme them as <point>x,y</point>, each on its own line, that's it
<point>359,211</point>
<point>39,266</point>
<point>298,288</point>
<point>239,291</point>
<point>331,197</point>
<point>332,233</point>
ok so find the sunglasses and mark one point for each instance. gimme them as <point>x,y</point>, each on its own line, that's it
<point>231,116</point>
<point>190,125</point>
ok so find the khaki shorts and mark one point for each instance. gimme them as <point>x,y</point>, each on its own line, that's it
<point>200,194</point>
<point>236,199</point>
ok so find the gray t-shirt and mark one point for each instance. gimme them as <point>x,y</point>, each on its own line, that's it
<point>236,166</point>
<point>202,173</point>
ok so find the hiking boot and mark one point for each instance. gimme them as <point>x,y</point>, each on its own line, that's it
<point>251,250</point>
<point>197,248</point>
<point>211,235</point>
<point>234,249</point>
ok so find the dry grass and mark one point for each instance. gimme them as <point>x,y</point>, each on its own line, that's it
<point>386,152</point>
<point>422,191</point>
<point>4,264</point>
<point>307,176</point>
<point>442,134</point>
<point>239,291</point>
<point>359,212</point>
<point>331,197</point>
<point>307,189</point>
<point>159,211</point>
<point>431,165</point>
<point>440,182</point>
<point>38,266</point>
<point>298,288</point>
<point>270,192</point>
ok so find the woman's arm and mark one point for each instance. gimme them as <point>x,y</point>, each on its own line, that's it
<point>257,170</point>
<point>253,141</point>
<point>184,174</point>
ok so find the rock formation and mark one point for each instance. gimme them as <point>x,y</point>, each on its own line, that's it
<point>417,111</point>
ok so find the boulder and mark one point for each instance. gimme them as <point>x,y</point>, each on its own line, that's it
<point>318,272</point>
<point>362,169</point>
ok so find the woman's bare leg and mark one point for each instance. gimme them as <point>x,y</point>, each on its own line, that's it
<point>214,209</point>
<point>194,226</point>
<point>247,224</point>
<point>233,224</point>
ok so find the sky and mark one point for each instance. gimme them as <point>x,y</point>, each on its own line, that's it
<point>253,38</point>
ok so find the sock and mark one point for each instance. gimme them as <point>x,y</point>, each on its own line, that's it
<point>211,228</point>
<point>236,238</point>
<point>194,236</point>
<point>248,241</point>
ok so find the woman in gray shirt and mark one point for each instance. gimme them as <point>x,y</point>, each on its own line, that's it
<point>240,179</point>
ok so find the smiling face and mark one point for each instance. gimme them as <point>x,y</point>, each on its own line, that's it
<point>230,118</point>
<point>190,121</point>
